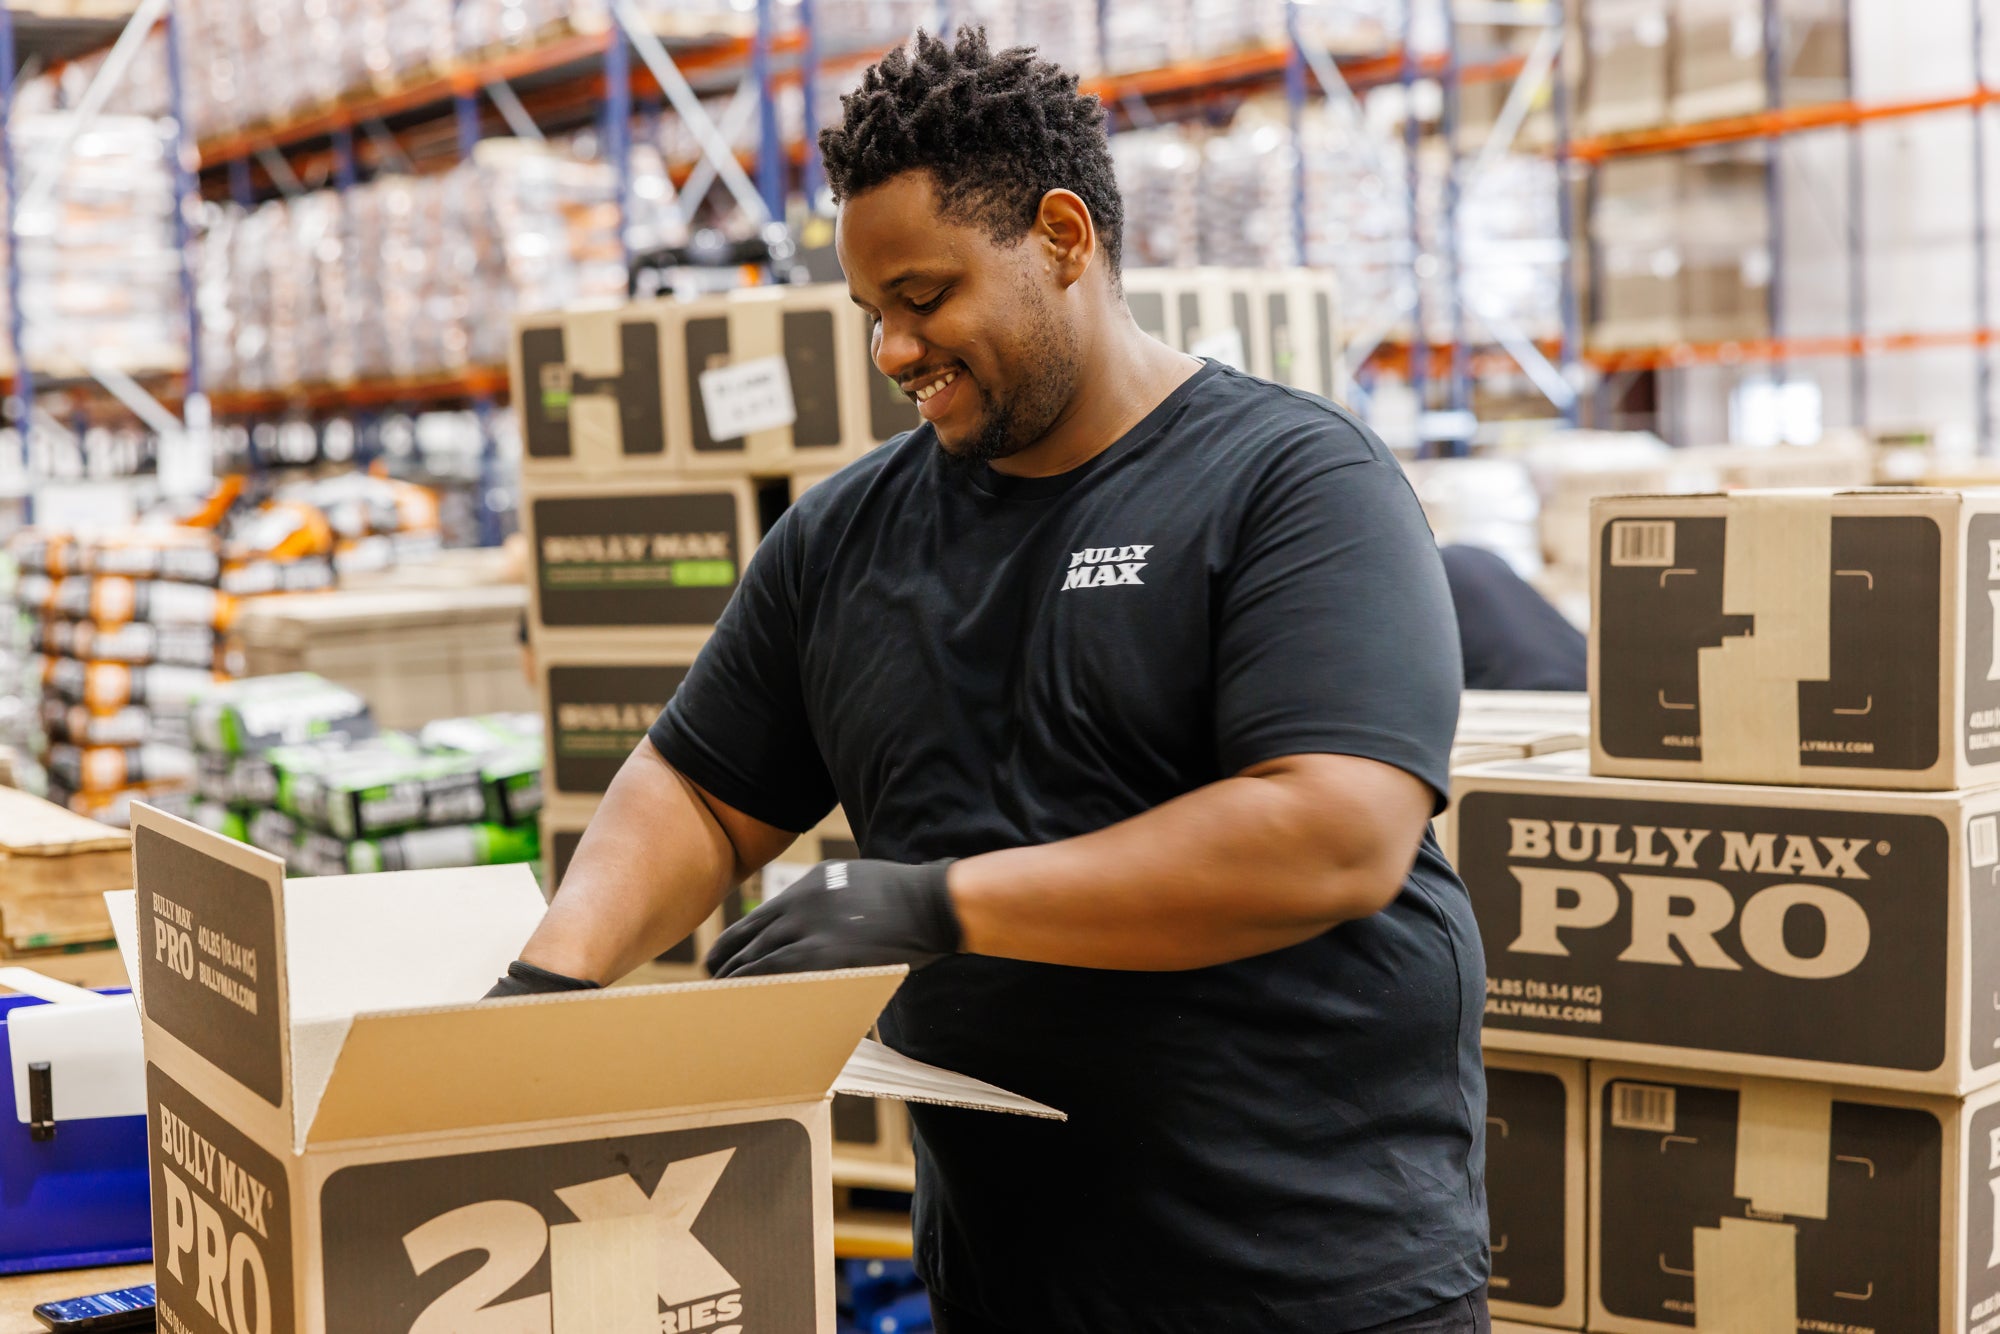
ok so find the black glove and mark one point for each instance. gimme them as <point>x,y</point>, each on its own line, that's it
<point>850,914</point>
<point>524,979</point>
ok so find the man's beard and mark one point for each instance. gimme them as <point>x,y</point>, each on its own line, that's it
<point>1013,423</point>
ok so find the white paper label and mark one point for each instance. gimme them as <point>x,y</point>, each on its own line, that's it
<point>754,395</point>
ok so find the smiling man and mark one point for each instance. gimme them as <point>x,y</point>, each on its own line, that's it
<point>1136,677</point>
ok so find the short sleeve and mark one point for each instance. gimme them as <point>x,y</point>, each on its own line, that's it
<point>1336,632</point>
<point>737,726</point>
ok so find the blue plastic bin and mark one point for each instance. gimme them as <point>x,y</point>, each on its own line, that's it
<point>77,1200</point>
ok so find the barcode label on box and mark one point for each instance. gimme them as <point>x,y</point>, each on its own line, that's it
<point>1985,840</point>
<point>1642,1107</point>
<point>1644,542</point>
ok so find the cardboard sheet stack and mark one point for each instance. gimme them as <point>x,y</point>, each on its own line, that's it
<point>55,867</point>
<point>1764,913</point>
<point>295,765</point>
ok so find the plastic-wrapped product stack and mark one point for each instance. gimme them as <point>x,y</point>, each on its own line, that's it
<point>408,276</point>
<point>294,765</point>
<point>100,270</point>
<point>129,626</point>
<point>376,522</point>
<point>1159,178</point>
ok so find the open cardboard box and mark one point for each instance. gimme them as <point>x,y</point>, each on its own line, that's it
<point>345,1140</point>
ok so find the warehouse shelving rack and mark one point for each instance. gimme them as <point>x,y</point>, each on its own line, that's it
<point>1617,366</point>
<point>603,76</point>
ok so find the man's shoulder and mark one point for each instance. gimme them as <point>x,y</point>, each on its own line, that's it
<point>1263,424</point>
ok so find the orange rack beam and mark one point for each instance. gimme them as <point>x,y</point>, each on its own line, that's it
<point>438,89</point>
<point>474,382</point>
<point>1769,125</point>
<point>1761,350</point>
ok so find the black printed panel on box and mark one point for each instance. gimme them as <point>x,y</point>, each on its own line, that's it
<point>1667,1165</point>
<point>1982,639</point>
<point>1982,894</point>
<point>707,340</point>
<point>1818,935</point>
<point>222,1220</point>
<point>1527,1180</point>
<point>425,1244</point>
<point>1982,1231</point>
<point>208,944</point>
<point>662,560</point>
<point>598,714</point>
<point>545,395</point>
<point>815,374</point>
<point>1660,603</point>
<point>1878,707</point>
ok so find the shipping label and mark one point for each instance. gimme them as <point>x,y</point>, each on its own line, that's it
<point>222,1221</point>
<point>660,560</point>
<point>1661,605</point>
<point>475,1241</point>
<point>1870,1265</point>
<point>208,959</point>
<point>1816,935</point>
<point>598,714</point>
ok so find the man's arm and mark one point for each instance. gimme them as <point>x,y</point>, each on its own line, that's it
<point>1272,857</point>
<point>1268,858</point>
<point>655,861</point>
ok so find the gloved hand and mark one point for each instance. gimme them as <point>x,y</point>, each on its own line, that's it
<point>849,914</point>
<point>524,979</point>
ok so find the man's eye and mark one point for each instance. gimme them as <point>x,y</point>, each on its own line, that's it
<point>926,307</point>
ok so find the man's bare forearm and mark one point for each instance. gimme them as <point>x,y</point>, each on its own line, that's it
<point>653,864</point>
<point>1240,867</point>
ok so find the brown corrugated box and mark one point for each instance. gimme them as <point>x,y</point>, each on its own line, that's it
<point>335,1120</point>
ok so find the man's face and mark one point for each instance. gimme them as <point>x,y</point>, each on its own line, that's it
<point>978,333</point>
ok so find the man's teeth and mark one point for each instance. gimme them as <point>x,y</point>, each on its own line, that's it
<point>936,385</point>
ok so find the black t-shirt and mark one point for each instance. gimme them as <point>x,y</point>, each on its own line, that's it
<point>967,661</point>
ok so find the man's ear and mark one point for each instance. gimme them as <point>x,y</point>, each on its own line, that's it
<point>1067,234</point>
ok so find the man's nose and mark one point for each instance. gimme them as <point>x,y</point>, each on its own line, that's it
<point>898,350</point>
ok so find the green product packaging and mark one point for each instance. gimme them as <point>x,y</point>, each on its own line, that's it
<point>454,845</point>
<point>258,712</point>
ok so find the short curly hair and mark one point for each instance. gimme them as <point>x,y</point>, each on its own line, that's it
<point>996,130</point>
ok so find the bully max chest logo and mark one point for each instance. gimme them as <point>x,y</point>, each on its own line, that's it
<point>1105,567</point>
<point>1558,902</point>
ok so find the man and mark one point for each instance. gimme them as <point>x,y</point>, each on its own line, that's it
<point>1512,637</point>
<point>1161,654</point>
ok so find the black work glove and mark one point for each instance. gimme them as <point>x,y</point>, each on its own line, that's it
<point>524,979</point>
<point>849,914</point>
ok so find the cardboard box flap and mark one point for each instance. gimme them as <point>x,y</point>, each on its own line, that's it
<point>586,1054</point>
<point>876,1071</point>
<point>403,940</point>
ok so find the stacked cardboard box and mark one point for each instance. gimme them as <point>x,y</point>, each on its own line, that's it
<point>1763,911</point>
<point>656,437</point>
